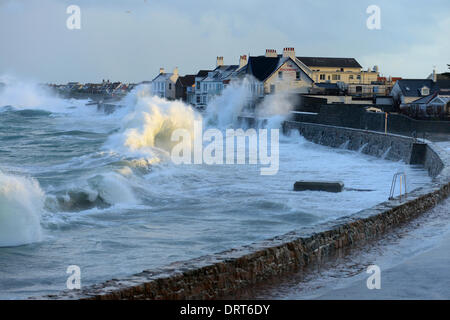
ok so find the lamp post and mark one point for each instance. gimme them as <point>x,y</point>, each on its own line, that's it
<point>385,122</point>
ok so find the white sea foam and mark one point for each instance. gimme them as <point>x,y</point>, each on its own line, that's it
<point>223,110</point>
<point>113,188</point>
<point>147,128</point>
<point>26,94</point>
<point>21,205</point>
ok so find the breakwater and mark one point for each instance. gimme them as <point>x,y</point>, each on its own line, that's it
<point>222,274</point>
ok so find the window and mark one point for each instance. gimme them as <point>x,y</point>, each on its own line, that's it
<point>425,91</point>
<point>205,87</point>
<point>322,77</point>
<point>280,75</point>
<point>358,89</point>
<point>336,77</point>
<point>198,99</point>
<point>342,69</point>
<point>170,86</point>
<point>350,77</point>
<point>198,85</point>
<point>272,88</point>
<point>297,75</point>
<point>358,77</point>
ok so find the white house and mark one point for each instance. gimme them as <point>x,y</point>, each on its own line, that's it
<point>277,73</point>
<point>211,83</point>
<point>164,84</point>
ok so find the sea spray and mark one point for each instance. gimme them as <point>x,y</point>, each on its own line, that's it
<point>21,205</point>
<point>26,94</point>
<point>275,108</point>
<point>223,110</point>
<point>22,94</point>
<point>147,129</point>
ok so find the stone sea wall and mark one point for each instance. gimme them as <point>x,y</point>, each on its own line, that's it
<point>223,274</point>
<point>388,146</point>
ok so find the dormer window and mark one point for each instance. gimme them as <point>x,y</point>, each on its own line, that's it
<point>425,91</point>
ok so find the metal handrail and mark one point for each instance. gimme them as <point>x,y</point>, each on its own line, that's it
<point>402,176</point>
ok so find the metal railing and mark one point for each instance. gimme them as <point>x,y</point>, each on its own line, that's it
<point>402,177</point>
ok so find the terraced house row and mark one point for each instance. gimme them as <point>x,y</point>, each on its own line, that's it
<point>270,73</point>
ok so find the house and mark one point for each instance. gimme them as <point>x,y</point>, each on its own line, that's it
<point>374,89</point>
<point>409,90</point>
<point>436,105</point>
<point>187,84</point>
<point>275,73</point>
<point>439,76</point>
<point>333,70</point>
<point>216,80</point>
<point>199,96</point>
<point>164,84</point>
<point>211,83</point>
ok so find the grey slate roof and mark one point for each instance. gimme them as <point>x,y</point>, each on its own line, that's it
<point>203,73</point>
<point>423,100</point>
<point>262,67</point>
<point>221,73</point>
<point>411,87</point>
<point>330,62</point>
<point>163,77</point>
<point>187,80</point>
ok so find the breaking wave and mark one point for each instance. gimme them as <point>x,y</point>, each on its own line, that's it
<point>21,206</point>
<point>147,129</point>
<point>99,191</point>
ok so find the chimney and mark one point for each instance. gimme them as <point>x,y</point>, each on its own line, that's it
<point>271,53</point>
<point>289,52</point>
<point>175,71</point>
<point>242,61</point>
<point>434,75</point>
<point>161,70</point>
<point>219,61</point>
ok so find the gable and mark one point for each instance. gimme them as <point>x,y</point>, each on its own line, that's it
<point>290,68</point>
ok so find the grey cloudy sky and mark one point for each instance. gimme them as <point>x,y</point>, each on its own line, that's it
<point>130,40</point>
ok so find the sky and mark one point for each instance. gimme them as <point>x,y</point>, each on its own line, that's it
<point>130,40</point>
